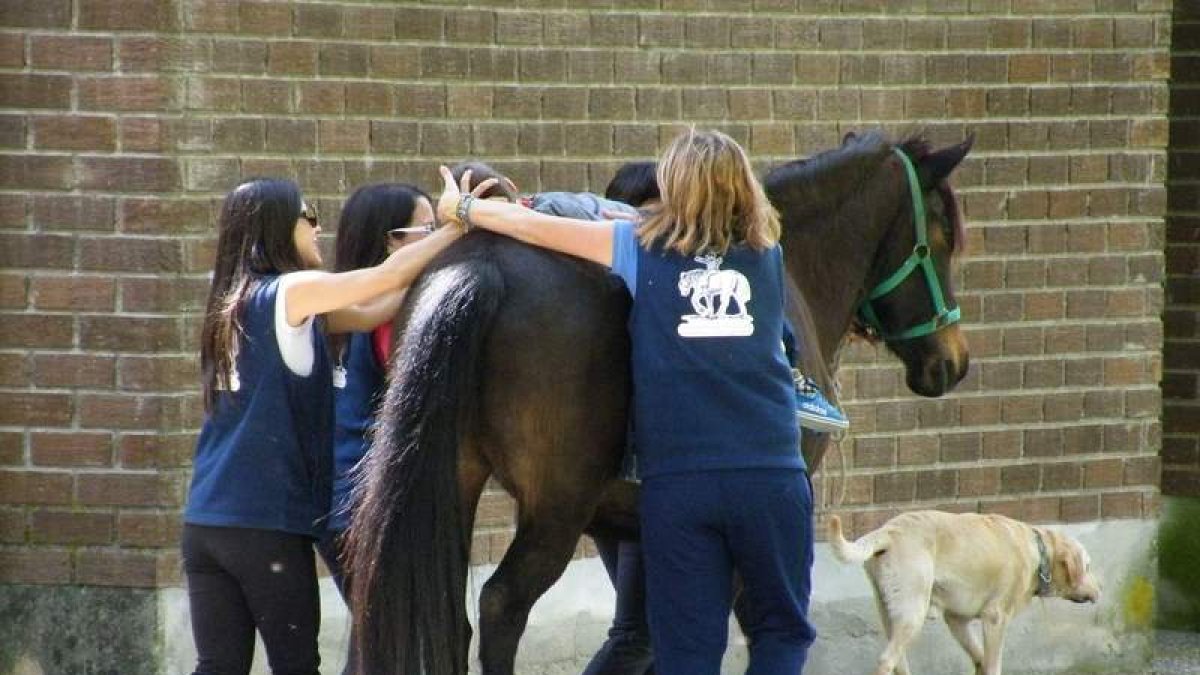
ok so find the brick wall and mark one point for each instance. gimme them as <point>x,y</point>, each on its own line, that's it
<point>96,341</point>
<point>124,121</point>
<point>1181,322</point>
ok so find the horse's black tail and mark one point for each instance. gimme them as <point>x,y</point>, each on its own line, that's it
<point>406,552</point>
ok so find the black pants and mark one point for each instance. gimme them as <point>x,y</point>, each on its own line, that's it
<point>240,580</point>
<point>330,548</point>
<point>627,650</point>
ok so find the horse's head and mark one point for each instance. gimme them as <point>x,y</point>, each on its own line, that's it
<point>689,280</point>
<point>910,302</point>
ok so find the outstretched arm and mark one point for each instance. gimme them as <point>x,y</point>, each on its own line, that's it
<point>365,316</point>
<point>313,292</point>
<point>590,240</point>
<point>361,299</point>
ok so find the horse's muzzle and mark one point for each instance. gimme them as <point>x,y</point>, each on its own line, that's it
<point>935,364</point>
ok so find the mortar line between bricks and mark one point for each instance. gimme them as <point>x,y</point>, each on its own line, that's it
<point>988,463</point>
<point>1060,255</point>
<point>993,463</point>
<point>451,43</point>
<point>908,125</point>
<point>53,351</point>
<point>91,470</point>
<point>1131,285</point>
<point>199,155</point>
<point>1009,393</point>
<point>436,79</point>
<point>858,366</point>
<point>120,275</point>
<point>979,156</point>
<point>821,19</point>
<point>1131,218</point>
<point>481,7</point>
<point>969,190</point>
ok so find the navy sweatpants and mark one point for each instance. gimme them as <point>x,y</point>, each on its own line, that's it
<point>697,528</point>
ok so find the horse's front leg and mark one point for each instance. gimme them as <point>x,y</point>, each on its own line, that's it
<point>539,553</point>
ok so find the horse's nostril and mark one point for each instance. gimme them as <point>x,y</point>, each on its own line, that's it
<point>945,377</point>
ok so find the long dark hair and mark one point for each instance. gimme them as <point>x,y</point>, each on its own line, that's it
<point>255,237</point>
<point>366,218</point>
<point>362,232</point>
<point>635,183</point>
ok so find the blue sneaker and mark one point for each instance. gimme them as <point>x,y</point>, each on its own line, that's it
<point>813,410</point>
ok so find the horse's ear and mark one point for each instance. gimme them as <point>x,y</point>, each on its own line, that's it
<point>850,135</point>
<point>938,165</point>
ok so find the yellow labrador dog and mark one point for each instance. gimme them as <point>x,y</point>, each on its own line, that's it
<point>970,566</point>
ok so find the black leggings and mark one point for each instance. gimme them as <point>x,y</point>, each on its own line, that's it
<point>330,548</point>
<point>243,579</point>
<point>627,650</point>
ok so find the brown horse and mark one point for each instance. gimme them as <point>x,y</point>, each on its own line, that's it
<point>514,364</point>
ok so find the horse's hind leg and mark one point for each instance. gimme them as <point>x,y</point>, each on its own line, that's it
<point>473,473</point>
<point>539,553</point>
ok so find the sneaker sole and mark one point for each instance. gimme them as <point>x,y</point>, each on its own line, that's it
<point>821,423</point>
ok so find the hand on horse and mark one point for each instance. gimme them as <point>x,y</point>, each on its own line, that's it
<point>452,194</point>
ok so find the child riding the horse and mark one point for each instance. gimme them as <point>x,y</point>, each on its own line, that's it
<point>724,488</point>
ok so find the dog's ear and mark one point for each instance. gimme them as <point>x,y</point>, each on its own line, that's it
<point>1071,559</point>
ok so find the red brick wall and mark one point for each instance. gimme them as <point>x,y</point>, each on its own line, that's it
<point>96,345</point>
<point>123,122</point>
<point>1181,321</point>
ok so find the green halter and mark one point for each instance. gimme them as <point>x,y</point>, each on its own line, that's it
<point>918,258</point>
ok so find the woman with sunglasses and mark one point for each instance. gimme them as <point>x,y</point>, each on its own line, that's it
<point>262,475</point>
<point>376,221</point>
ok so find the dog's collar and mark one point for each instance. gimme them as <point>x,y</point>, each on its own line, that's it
<point>1043,570</point>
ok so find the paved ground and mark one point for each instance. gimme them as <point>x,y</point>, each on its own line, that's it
<point>1176,654</point>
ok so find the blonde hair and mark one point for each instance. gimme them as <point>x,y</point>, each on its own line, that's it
<point>710,198</point>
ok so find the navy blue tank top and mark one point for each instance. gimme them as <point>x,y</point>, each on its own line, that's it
<point>355,400</point>
<point>264,458</point>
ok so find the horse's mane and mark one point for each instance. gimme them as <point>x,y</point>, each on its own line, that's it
<point>817,182</point>
<point>821,181</point>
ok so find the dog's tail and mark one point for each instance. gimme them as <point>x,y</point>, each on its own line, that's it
<point>857,551</point>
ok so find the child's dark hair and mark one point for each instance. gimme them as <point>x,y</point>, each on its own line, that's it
<point>481,172</point>
<point>366,218</point>
<point>255,237</point>
<point>635,183</point>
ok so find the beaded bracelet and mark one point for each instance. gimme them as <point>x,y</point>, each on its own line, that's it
<point>463,212</point>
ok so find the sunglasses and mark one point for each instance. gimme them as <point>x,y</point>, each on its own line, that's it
<point>309,213</point>
<point>423,228</point>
